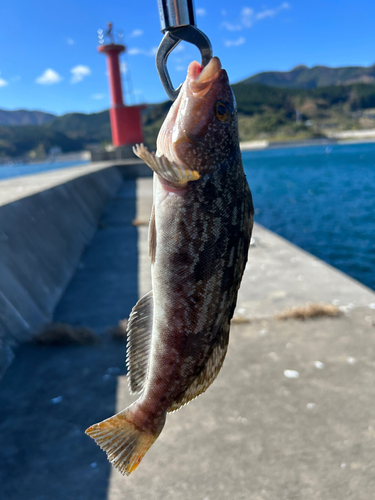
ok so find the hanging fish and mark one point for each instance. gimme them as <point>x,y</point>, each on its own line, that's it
<point>199,236</point>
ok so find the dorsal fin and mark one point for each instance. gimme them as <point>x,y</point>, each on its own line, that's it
<point>139,342</point>
<point>209,372</point>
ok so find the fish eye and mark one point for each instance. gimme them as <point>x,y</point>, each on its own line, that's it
<point>223,111</point>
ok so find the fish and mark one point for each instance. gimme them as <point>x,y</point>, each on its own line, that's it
<point>199,235</point>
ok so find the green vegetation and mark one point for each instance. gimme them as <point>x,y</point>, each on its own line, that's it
<point>318,76</point>
<point>73,132</point>
<point>91,128</point>
<point>34,141</point>
<point>281,113</point>
<point>271,112</point>
<point>296,107</point>
<point>24,117</point>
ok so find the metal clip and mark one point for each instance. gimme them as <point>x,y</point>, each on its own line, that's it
<point>171,39</point>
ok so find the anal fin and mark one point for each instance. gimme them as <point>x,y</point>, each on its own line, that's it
<point>170,171</point>
<point>209,372</point>
<point>139,342</point>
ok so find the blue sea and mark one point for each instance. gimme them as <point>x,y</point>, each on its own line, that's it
<point>322,199</point>
<point>17,170</point>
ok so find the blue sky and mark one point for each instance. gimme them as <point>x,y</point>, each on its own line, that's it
<point>49,61</point>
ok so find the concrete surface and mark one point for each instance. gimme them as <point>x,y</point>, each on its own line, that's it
<point>46,220</point>
<point>280,275</point>
<point>105,285</point>
<point>16,188</point>
<point>49,394</point>
<point>42,236</point>
<point>255,434</point>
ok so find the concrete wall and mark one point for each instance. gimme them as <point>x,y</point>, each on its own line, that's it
<point>42,237</point>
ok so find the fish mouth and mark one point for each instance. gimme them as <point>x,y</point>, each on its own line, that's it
<point>200,80</point>
<point>197,84</point>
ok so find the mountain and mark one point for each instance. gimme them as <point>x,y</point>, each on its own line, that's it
<point>303,77</point>
<point>22,140</point>
<point>96,126</point>
<point>24,117</point>
<point>93,127</point>
<point>276,112</point>
<point>283,113</point>
<point>72,132</point>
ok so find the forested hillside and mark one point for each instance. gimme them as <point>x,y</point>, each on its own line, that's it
<point>264,111</point>
<point>317,76</point>
<point>24,117</point>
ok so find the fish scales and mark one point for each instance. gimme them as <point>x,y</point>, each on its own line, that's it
<point>199,235</point>
<point>205,270</point>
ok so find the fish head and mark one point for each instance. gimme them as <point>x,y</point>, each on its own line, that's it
<point>200,131</point>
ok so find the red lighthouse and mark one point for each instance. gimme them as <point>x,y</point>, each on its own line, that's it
<point>125,120</point>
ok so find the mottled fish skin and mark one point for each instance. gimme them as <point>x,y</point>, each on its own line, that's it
<point>199,233</point>
<point>201,252</point>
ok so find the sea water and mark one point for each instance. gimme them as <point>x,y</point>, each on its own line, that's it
<point>17,170</point>
<point>320,198</point>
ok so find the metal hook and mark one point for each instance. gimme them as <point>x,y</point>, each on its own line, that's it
<point>171,39</point>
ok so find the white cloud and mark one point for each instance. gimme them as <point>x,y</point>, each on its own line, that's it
<point>232,26</point>
<point>98,96</point>
<point>201,12</point>
<point>266,13</point>
<point>248,17</point>
<point>234,43</point>
<point>136,33</point>
<point>135,52</point>
<point>3,83</point>
<point>179,48</point>
<point>79,72</point>
<point>123,67</point>
<point>49,77</point>
<point>180,68</point>
<point>223,12</point>
<point>272,12</point>
<point>70,41</point>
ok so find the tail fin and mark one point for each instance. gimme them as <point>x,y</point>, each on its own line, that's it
<point>124,443</point>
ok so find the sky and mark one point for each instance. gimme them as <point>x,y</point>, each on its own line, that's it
<point>49,59</point>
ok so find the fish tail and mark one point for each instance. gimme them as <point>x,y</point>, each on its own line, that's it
<point>123,441</point>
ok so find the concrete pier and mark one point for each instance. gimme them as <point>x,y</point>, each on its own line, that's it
<point>290,416</point>
<point>46,221</point>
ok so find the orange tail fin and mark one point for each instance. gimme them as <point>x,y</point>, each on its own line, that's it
<point>124,443</point>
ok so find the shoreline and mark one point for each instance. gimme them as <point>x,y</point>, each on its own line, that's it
<point>260,145</point>
<point>256,145</point>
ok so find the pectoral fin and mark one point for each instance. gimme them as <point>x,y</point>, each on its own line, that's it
<point>170,171</point>
<point>208,374</point>
<point>139,342</point>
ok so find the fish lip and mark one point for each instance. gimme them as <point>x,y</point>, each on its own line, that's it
<point>199,80</point>
<point>197,84</point>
